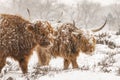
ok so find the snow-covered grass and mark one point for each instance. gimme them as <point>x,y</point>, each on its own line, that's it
<point>104,64</point>
<point>80,75</point>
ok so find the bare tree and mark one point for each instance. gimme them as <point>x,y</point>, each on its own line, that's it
<point>116,13</point>
<point>37,8</point>
<point>86,12</point>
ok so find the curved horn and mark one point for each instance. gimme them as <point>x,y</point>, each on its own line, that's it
<point>95,30</point>
<point>76,32</point>
<point>28,13</point>
<point>73,23</point>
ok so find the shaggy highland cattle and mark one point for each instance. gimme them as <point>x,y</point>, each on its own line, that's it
<point>69,42</point>
<point>18,38</point>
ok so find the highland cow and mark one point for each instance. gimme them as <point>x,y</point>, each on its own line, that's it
<point>18,38</point>
<point>69,42</point>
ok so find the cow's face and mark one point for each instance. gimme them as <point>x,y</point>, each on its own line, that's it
<point>42,32</point>
<point>88,45</point>
<point>86,41</point>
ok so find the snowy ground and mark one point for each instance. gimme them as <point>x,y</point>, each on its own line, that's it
<point>81,75</point>
<point>104,64</point>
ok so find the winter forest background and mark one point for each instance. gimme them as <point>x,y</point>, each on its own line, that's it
<point>86,13</point>
<point>104,64</point>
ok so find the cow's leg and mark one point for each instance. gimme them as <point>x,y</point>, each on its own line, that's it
<point>74,63</point>
<point>47,59</point>
<point>43,56</point>
<point>39,54</point>
<point>66,63</point>
<point>23,62</point>
<point>42,59</point>
<point>2,63</point>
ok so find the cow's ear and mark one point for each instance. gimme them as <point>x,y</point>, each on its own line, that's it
<point>30,28</point>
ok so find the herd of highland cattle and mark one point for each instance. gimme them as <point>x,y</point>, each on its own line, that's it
<point>20,37</point>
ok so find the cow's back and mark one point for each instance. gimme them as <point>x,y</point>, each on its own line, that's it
<point>14,39</point>
<point>64,44</point>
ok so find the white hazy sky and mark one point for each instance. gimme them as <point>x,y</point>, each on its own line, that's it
<point>103,2</point>
<point>69,2</point>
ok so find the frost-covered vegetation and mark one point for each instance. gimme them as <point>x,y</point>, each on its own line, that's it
<point>104,60</point>
<point>87,15</point>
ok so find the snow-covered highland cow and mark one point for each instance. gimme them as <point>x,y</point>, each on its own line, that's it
<point>69,42</point>
<point>19,37</point>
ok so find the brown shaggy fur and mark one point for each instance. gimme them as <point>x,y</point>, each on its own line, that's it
<point>18,38</point>
<point>68,43</point>
<point>43,56</point>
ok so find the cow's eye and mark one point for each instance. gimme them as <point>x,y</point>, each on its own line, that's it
<point>43,34</point>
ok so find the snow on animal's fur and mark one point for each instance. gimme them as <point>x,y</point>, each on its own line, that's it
<point>69,42</point>
<point>18,38</point>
